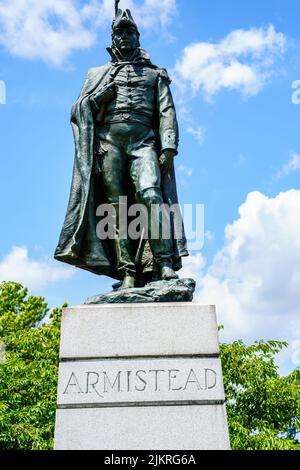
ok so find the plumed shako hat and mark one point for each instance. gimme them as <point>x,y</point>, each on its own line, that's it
<point>123,19</point>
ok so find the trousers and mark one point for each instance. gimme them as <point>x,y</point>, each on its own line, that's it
<point>130,148</point>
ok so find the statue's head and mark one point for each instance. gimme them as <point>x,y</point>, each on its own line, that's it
<point>125,33</point>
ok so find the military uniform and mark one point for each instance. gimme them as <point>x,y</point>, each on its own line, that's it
<point>122,121</point>
<point>137,98</point>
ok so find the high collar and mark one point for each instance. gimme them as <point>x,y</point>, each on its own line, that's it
<point>138,56</point>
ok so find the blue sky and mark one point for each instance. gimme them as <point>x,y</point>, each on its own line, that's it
<point>233,63</point>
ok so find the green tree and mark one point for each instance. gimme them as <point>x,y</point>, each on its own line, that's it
<point>263,408</point>
<point>28,370</point>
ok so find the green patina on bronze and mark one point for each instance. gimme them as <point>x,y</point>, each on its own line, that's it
<point>126,137</point>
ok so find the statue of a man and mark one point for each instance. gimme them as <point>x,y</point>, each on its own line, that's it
<point>126,137</point>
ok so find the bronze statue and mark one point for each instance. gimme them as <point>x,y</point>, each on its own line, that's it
<point>126,137</point>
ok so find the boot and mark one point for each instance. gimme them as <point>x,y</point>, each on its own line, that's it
<point>128,282</point>
<point>167,272</point>
<point>162,248</point>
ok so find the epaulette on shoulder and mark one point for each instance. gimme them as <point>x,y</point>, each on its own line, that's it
<point>164,74</point>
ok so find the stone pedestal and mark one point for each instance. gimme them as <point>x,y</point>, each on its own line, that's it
<point>140,376</point>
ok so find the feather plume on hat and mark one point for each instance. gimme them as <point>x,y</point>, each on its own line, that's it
<point>116,7</point>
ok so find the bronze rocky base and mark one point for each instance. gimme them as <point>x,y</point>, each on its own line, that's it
<point>175,290</point>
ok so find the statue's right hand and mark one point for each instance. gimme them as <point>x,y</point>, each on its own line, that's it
<point>105,95</point>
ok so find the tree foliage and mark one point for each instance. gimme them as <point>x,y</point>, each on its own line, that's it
<point>263,408</point>
<point>28,370</point>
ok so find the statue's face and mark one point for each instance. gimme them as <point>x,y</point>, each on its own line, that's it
<point>126,39</point>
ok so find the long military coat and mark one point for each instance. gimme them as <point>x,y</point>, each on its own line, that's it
<point>78,244</point>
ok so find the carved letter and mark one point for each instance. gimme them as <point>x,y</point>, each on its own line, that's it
<point>74,384</point>
<point>213,376</point>
<point>89,383</point>
<point>194,381</point>
<point>142,380</point>
<point>112,385</point>
<point>128,380</point>
<point>156,372</point>
<point>173,375</point>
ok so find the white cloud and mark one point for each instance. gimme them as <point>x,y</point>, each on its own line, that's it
<point>43,29</point>
<point>184,113</point>
<point>150,12</point>
<point>197,132</point>
<point>51,30</point>
<point>209,235</point>
<point>241,61</point>
<point>16,266</point>
<point>186,171</point>
<point>193,267</point>
<point>147,14</point>
<point>290,167</point>
<point>255,278</point>
<point>2,92</point>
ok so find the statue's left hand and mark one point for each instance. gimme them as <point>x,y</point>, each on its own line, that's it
<point>166,161</point>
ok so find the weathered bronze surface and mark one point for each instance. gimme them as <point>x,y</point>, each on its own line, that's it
<point>126,137</point>
<point>174,290</point>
